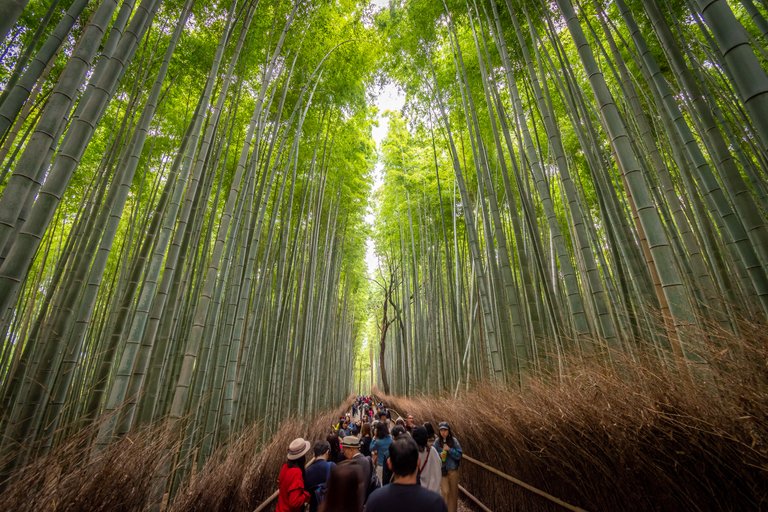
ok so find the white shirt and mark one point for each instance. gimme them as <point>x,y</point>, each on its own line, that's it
<point>430,472</point>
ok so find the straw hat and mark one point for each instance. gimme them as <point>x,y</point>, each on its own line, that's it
<point>298,448</point>
<point>350,442</point>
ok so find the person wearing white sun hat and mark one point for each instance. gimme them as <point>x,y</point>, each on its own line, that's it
<point>292,496</point>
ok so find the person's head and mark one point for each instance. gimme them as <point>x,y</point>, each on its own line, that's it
<point>445,430</point>
<point>419,435</point>
<point>382,416</point>
<point>430,429</point>
<point>297,451</point>
<point>321,449</point>
<point>333,440</point>
<point>382,430</point>
<point>342,492</point>
<point>400,421</point>
<point>397,431</point>
<point>409,420</point>
<point>403,456</point>
<point>366,429</point>
<point>350,445</point>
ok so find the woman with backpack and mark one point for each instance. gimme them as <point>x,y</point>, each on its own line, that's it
<point>291,493</point>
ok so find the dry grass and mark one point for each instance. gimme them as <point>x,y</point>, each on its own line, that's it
<point>75,478</point>
<point>631,437</point>
<point>124,476</point>
<point>628,437</point>
<point>244,474</point>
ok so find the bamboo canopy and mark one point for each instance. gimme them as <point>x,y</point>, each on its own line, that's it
<point>190,191</point>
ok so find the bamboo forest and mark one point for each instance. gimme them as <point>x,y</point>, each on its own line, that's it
<point>543,221</point>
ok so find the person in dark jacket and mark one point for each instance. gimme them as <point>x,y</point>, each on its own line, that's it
<point>404,494</point>
<point>316,475</point>
<point>351,447</point>
<point>342,494</point>
<point>365,440</point>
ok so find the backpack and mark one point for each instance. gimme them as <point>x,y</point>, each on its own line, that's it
<point>321,489</point>
<point>373,482</point>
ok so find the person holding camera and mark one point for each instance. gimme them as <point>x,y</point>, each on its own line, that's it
<point>450,455</point>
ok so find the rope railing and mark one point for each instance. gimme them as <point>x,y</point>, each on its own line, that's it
<point>474,500</point>
<point>266,503</point>
<point>522,484</point>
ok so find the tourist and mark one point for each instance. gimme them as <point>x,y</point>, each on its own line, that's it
<point>409,423</point>
<point>335,456</point>
<point>429,475</point>
<point>317,474</point>
<point>365,440</point>
<point>382,418</point>
<point>404,495</point>
<point>430,432</point>
<point>380,448</point>
<point>291,493</point>
<point>370,481</point>
<point>342,494</point>
<point>387,475</point>
<point>450,454</point>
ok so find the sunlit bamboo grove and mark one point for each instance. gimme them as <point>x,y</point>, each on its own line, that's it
<point>185,183</point>
<point>570,179</point>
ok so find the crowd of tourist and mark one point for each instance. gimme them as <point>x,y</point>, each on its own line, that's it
<point>370,462</point>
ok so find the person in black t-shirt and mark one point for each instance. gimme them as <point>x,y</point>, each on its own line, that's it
<point>404,494</point>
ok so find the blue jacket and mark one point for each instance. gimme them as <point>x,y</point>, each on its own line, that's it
<point>381,446</point>
<point>454,454</point>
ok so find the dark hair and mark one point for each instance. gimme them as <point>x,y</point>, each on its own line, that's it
<point>366,429</point>
<point>382,430</point>
<point>343,490</point>
<point>430,429</point>
<point>397,431</point>
<point>321,447</point>
<point>298,463</point>
<point>446,426</point>
<point>333,440</point>
<point>420,435</point>
<point>404,455</point>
